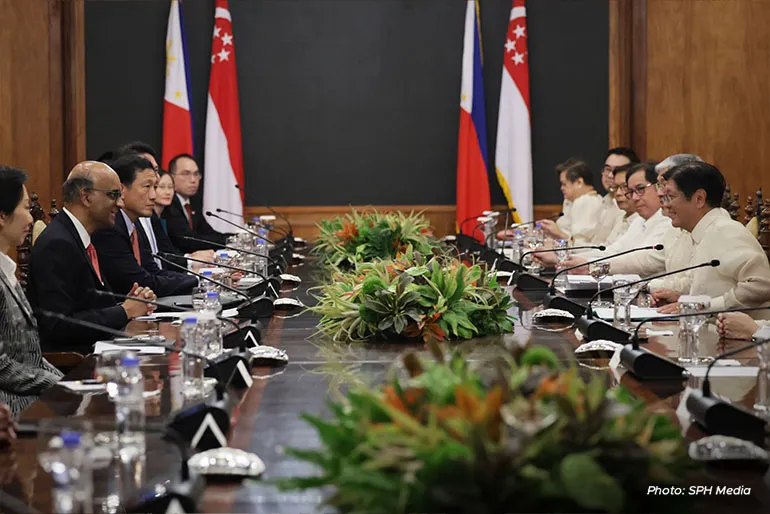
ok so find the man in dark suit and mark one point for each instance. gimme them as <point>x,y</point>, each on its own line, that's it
<point>153,226</point>
<point>64,265</point>
<point>181,219</point>
<point>125,255</point>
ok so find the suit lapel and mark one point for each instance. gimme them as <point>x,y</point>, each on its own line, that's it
<point>23,304</point>
<point>67,223</point>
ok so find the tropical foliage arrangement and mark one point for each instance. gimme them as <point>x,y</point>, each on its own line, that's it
<point>443,437</point>
<point>364,237</point>
<point>411,297</point>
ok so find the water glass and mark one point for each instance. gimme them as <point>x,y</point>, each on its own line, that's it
<point>599,271</point>
<point>762,405</point>
<point>107,368</point>
<point>623,297</point>
<point>689,348</point>
<point>562,255</point>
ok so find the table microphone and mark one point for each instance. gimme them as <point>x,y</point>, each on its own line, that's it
<point>559,302</point>
<point>254,220</point>
<point>717,416</point>
<point>247,230</point>
<point>266,311</point>
<point>255,254</point>
<point>251,198</point>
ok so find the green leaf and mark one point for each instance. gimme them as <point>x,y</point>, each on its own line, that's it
<point>589,485</point>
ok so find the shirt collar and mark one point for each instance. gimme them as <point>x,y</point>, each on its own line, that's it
<point>703,225</point>
<point>655,218</point>
<point>129,223</point>
<point>8,268</point>
<point>182,199</point>
<point>85,237</point>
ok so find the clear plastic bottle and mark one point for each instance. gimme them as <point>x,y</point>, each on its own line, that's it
<point>262,248</point>
<point>129,407</point>
<point>69,489</point>
<point>207,284</point>
<point>211,303</point>
<point>210,334</point>
<point>193,366</point>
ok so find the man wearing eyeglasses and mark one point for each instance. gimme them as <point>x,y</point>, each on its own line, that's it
<point>64,265</point>
<point>612,215</point>
<point>181,219</point>
<point>648,230</point>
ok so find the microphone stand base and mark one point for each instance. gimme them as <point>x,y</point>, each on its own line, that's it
<point>248,335</point>
<point>527,282</point>
<point>232,367</point>
<point>261,307</point>
<point>595,329</point>
<point>203,426</point>
<point>645,365</point>
<point>716,416</point>
<point>554,301</point>
<point>177,497</point>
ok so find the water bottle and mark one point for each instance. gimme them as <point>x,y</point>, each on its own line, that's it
<point>518,244</point>
<point>210,334</point>
<point>193,366</point>
<point>69,473</point>
<point>129,407</point>
<point>261,248</point>
<point>207,284</point>
<point>539,234</point>
<point>211,303</point>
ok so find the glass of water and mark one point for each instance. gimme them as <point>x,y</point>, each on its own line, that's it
<point>762,405</point>
<point>623,296</point>
<point>599,271</point>
<point>689,349</point>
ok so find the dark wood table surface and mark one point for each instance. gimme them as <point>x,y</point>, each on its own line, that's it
<point>266,418</point>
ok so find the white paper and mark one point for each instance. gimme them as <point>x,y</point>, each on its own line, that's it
<point>659,333</point>
<point>160,316</point>
<point>724,371</point>
<point>637,313</point>
<point>79,387</point>
<point>101,347</point>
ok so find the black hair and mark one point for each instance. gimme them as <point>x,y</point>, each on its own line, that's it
<point>623,168</point>
<point>107,157</point>
<point>649,172</point>
<point>691,176</point>
<point>128,165</point>
<point>11,188</point>
<point>626,152</point>
<point>576,169</point>
<point>137,147</point>
<point>172,162</point>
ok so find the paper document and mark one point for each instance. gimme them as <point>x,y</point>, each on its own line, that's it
<point>101,347</point>
<point>637,313</point>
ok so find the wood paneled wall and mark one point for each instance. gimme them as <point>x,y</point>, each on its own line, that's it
<point>441,217</point>
<point>42,95</point>
<point>699,75</point>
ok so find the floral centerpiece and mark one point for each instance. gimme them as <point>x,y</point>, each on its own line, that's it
<point>443,437</point>
<point>364,237</point>
<point>412,297</point>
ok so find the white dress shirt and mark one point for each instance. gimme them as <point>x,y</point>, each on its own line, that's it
<point>185,201</point>
<point>641,232</point>
<point>610,216</point>
<point>581,215</point>
<point>742,278</point>
<point>147,226</point>
<point>621,227</point>
<point>8,268</point>
<point>85,237</point>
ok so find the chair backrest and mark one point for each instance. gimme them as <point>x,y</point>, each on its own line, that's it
<point>24,250</point>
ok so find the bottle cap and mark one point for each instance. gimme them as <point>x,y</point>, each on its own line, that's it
<point>212,294</point>
<point>70,439</point>
<point>190,320</point>
<point>130,361</point>
<point>207,273</point>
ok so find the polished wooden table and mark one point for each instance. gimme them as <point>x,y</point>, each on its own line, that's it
<point>266,416</point>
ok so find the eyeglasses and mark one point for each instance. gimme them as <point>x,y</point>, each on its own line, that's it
<point>112,194</point>
<point>187,174</point>
<point>615,189</point>
<point>638,190</point>
<point>607,170</point>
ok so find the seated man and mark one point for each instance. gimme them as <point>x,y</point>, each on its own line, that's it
<point>64,266</point>
<point>627,208</point>
<point>612,215</point>
<point>181,219</point>
<point>154,226</point>
<point>742,279</point>
<point>582,204</point>
<point>647,230</point>
<point>125,256</point>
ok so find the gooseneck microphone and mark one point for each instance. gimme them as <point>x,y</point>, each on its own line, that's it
<point>657,247</point>
<point>589,310</point>
<point>601,248</point>
<point>259,224</point>
<point>247,252</point>
<point>720,417</point>
<point>209,213</point>
<point>215,265</point>
<point>276,213</point>
<point>533,222</point>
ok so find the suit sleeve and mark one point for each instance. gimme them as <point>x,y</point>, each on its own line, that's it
<point>57,268</point>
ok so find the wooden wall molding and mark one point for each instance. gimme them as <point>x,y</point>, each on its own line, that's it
<point>441,217</point>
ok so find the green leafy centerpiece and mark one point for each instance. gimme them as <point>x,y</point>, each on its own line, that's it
<point>411,297</point>
<point>368,236</point>
<point>443,437</point>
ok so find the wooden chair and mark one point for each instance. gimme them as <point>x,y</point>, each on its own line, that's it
<point>734,207</point>
<point>64,361</point>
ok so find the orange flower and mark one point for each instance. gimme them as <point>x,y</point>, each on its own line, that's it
<point>426,231</point>
<point>349,231</point>
<point>406,403</point>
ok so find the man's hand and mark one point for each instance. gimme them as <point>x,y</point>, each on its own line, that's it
<point>548,258</point>
<point>204,255</point>
<point>576,261</point>
<point>552,229</point>
<point>7,426</point>
<point>133,308</point>
<point>671,308</point>
<point>662,297</point>
<point>736,325</point>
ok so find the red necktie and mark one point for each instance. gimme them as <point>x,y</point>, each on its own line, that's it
<point>189,214</point>
<point>91,251</point>
<point>135,246</point>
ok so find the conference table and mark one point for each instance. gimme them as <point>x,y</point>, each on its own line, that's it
<point>266,417</point>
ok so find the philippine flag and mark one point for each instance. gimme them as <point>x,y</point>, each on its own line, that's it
<point>223,159</point>
<point>472,182</point>
<point>177,120</point>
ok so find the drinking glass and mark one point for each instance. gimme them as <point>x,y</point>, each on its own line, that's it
<point>107,367</point>
<point>562,255</point>
<point>599,270</point>
<point>690,342</point>
<point>762,405</point>
<point>198,297</point>
<point>623,297</point>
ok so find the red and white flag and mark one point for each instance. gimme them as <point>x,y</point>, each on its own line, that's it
<point>177,121</point>
<point>223,158</point>
<point>513,154</point>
